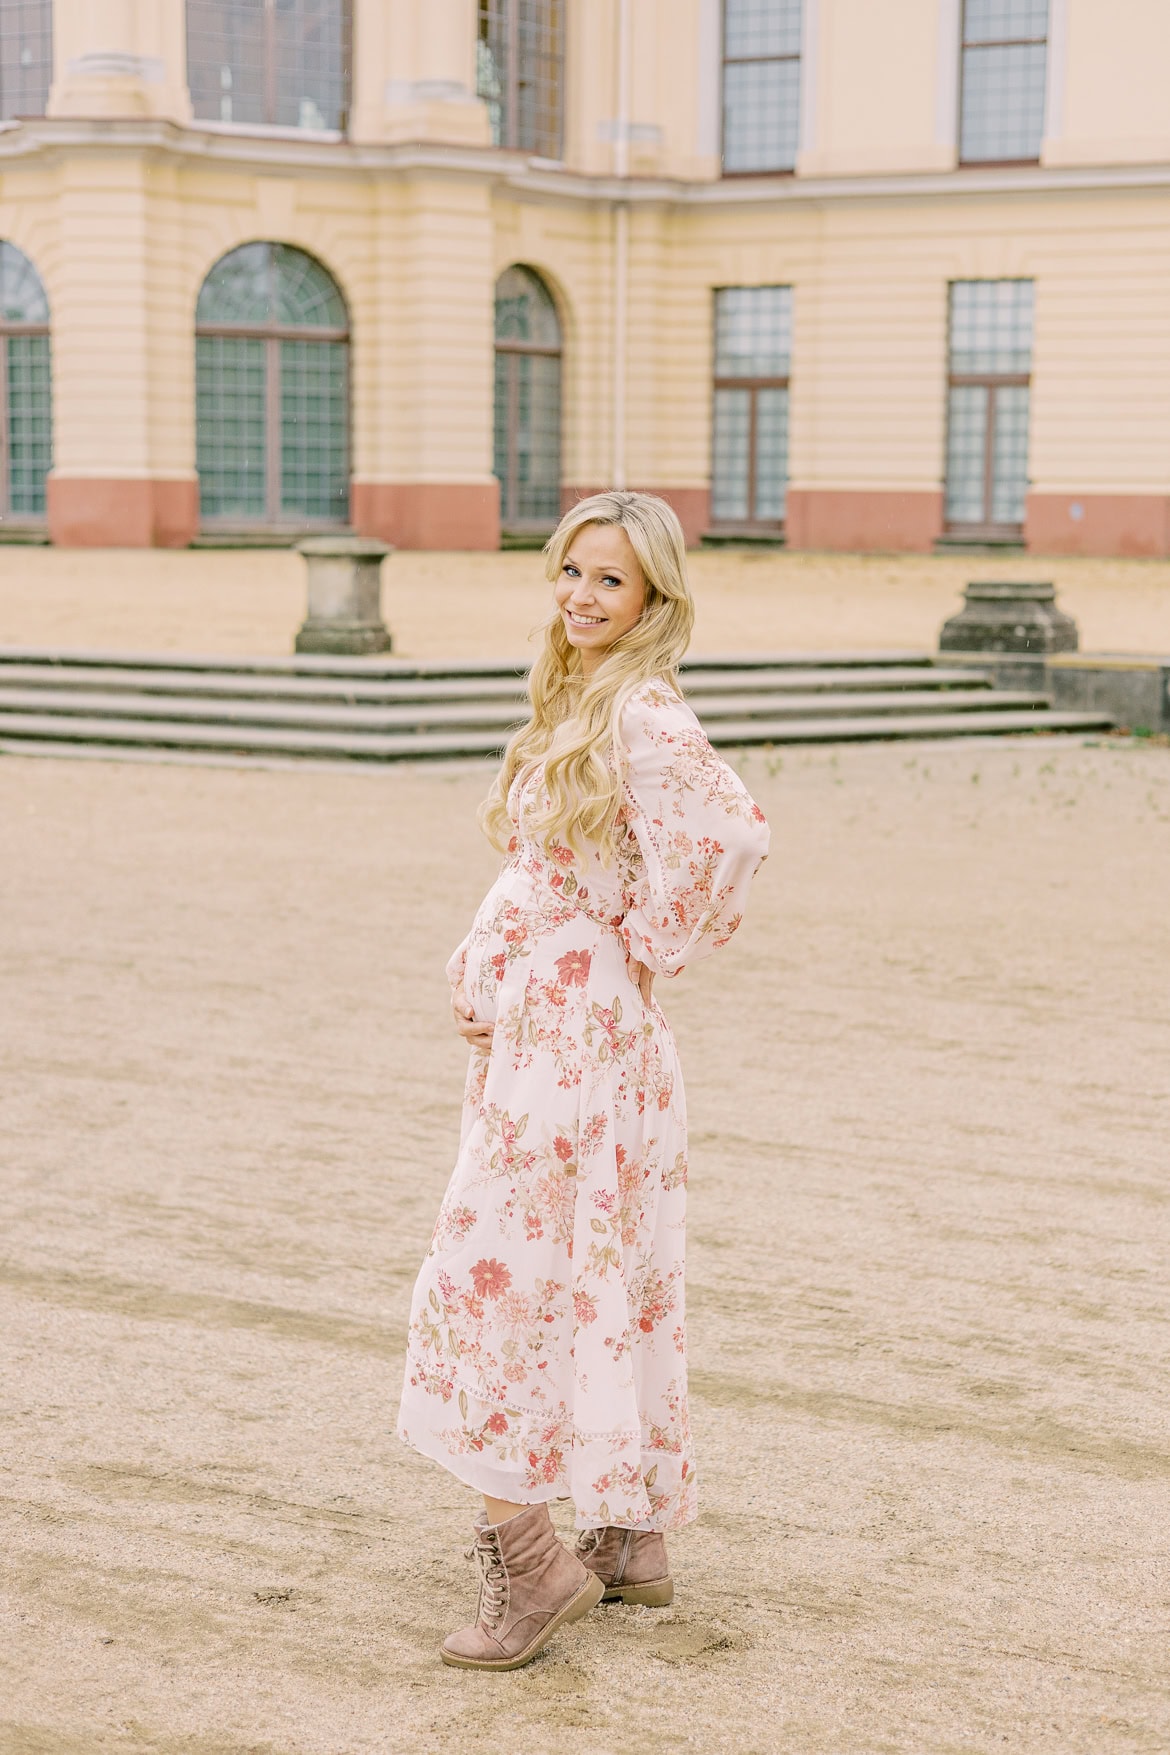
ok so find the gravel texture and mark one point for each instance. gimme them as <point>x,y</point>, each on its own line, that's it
<point>928,1090</point>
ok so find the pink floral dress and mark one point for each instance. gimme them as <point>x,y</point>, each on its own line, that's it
<point>547,1346</point>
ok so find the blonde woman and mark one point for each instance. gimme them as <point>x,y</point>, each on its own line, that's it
<point>547,1348</point>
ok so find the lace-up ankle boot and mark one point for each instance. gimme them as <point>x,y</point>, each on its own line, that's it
<point>631,1564</point>
<point>529,1585</point>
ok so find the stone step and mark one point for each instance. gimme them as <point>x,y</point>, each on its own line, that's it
<point>814,678</point>
<point>44,731</point>
<point>303,664</point>
<point>488,715</point>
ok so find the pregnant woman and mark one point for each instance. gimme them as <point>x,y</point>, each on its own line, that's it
<point>547,1347</point>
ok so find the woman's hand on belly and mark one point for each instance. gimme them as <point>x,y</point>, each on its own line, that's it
<point>473,1030</point>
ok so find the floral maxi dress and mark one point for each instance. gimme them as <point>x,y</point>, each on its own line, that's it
<point>547,1348</point>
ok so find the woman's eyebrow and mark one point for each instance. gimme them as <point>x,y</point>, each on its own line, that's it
<point>581,569</point>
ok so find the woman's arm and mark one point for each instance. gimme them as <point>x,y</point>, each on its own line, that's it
<point>701,835</point>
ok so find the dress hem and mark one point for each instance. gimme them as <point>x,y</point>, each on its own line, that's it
<point>506,1487</point>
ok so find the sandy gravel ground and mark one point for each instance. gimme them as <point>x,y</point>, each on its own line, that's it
<point>485,605</point>
<point>928,1271</point>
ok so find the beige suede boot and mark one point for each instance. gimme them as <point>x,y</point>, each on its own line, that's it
<point>631,1564</point>
<point>529,1586</point>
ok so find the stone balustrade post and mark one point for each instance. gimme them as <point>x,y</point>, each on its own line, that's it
<point>1010,618</point>
<point>344,595</point>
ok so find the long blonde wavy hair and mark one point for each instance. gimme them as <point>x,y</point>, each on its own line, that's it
<point>574,723</point>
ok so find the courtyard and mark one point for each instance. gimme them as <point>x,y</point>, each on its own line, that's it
<point>927,1236</point>
<point>250,602</point>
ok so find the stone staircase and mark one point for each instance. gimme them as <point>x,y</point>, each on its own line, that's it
<point>385,709</point>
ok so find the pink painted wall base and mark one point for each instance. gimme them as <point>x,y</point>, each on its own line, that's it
<point>847,519</point>
<point>108,512</point>
<point>435,515</point>
<point>1098,524</point>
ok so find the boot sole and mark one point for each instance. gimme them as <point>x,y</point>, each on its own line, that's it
<point>588,1597</point>
<point>655,1594</point>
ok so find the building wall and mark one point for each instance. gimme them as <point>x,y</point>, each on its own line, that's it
<point>124,205</point>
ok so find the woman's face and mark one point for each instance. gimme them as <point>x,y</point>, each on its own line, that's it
<point>601,590</point>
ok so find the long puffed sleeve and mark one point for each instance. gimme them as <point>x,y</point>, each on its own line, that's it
<point>700,834</point>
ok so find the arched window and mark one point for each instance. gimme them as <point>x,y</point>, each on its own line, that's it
<point>520,52</point>
<point>528,402</point>
<point>26,422</point>
<point>276,61</point>
<point>272,391</point>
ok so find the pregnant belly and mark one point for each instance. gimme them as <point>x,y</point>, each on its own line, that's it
<point>521,934</point>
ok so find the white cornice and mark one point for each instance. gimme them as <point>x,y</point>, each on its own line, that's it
<point>281,149</point>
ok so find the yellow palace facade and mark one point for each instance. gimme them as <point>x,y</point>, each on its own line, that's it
<point>845,274</point>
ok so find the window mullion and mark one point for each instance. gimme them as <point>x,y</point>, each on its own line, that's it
<point>274,436</point>
<point>512,52</point>
<point>270,91</point>
<point>753,412</point>
<point>5,418</point>
<point>989,454</point>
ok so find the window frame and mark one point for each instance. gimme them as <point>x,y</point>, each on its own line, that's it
<point>994,43</point>
<point>751,525</point>
<point>272,333</point>
<point>45,30</point>
<point>10,520</point>
<point>726,61</point>
<point>505,11</point>
<point>271,82</point>
<point>547,350</point>
<point>985,529</point>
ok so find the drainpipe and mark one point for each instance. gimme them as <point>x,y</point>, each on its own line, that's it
<point>621,246</point>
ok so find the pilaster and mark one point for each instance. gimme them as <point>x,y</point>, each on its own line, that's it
<point>120,58</point>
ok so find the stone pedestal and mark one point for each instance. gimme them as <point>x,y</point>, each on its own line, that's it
<point>1010,618</point>
<point>345,586</point>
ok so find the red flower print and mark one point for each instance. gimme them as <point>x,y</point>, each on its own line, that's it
<point>563,1149</point>
<point>573,968</point>
<point>562,855</point>
<point>490,1278</point>
<point>497,1423</point>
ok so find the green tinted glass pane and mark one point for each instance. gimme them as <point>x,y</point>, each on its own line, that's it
<point>30,432</point>
<point>731,451</point>
<point>22,297</point>
<point>230,426</point>
<point>237,289</point>
<point>536,438</point>
<point>314,429</point>
<point>304,291</point>
<point>771,454</point>
<point>500,426</point>
<point>524,309</point>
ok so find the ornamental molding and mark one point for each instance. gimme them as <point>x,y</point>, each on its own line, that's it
<point>258,148</point>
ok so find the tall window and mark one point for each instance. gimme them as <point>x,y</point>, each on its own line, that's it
<point>275,61</point>
<point>1005,51</point>
<point>528,402</point>
<point>272,391</point>
<point>26,57</point>
<point>761,84</point>
<point>987,427</point>
<point>25,411</point>
<point>520,56</point>
<point>753,341</point>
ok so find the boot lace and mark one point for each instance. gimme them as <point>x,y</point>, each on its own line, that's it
<point>493,1579</point>
<point>588,1543</point>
